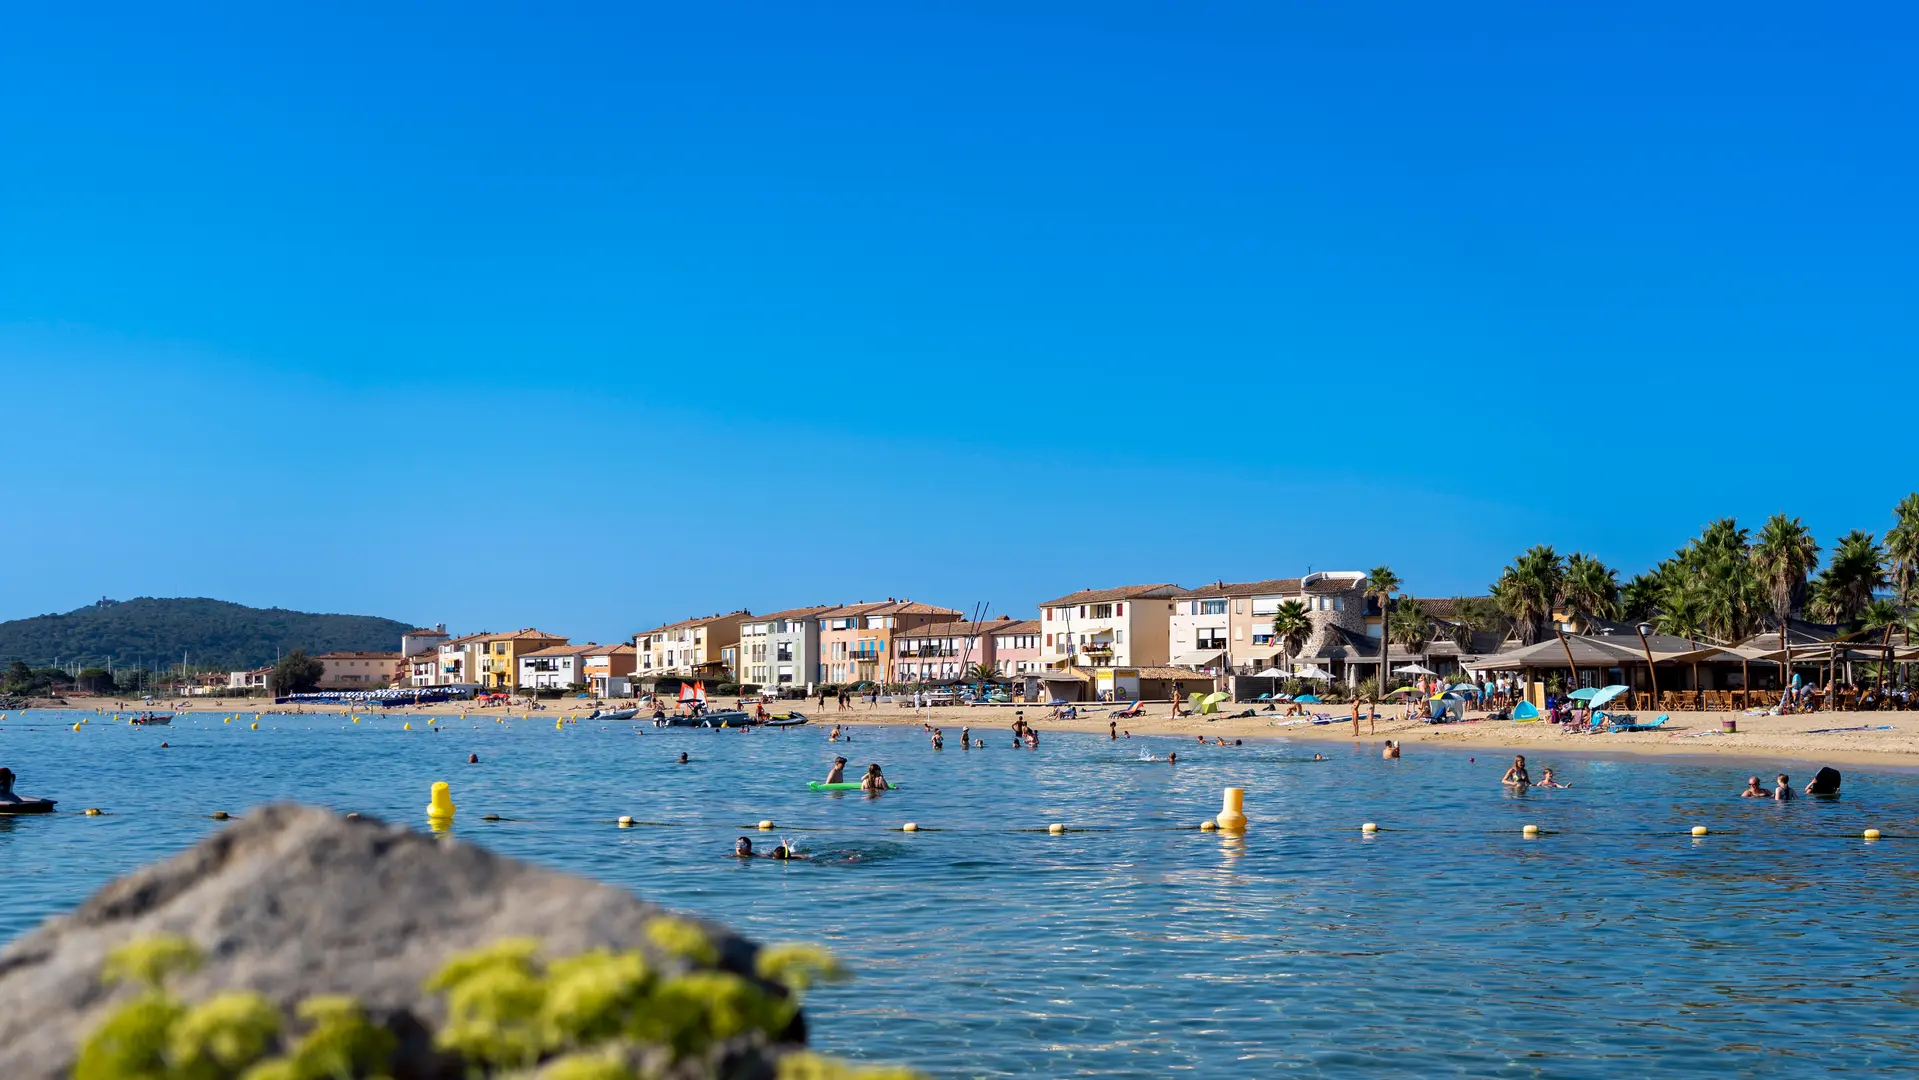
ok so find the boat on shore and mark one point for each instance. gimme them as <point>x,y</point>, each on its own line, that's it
<point>616,714</point>
<point>785,720</point>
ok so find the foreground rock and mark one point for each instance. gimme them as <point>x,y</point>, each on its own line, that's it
<point>292,902</point>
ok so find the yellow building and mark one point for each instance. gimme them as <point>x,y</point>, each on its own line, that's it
<point>499,656</point>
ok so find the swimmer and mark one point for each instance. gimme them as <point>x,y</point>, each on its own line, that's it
<point>1112,729</point>
<point>743,848</point>
<point>1391,751</point>
<point>1754,790</point>
<point>1783,792</point>
<point>1172,759</point>
<point>835,737</point>
<point>873,781</point>
<point>837,774</point>
<point>939,740</point>
<point>1517,776</point>
<point>784,852</point>
<point>473,759</point>
<point>1547,781</point>
<point>979,744</point>
<point>1319,757</point>
<point>683,758</point>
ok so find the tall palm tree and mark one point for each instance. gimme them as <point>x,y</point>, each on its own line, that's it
<point>1528,589</point>
<point>1591,588</point>
<point>1293,626</point>
<point>1681,614</point>
<point>1882,615</point>
<point>1411,628</point>
<point>1902,549</point>
<point>1845,586</point>
<point>1381,584</point>
<point>1784,556</point>
<point>1640,598</point>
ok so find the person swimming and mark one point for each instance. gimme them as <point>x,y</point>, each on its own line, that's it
<point>1784,792</point>
<point>835,737</point>
<point>837,774</point>
<point>1517,775</point>
<point>1754,789</point>
<point>743,848</point>
<point>1391,751</point>
<point>873,781</point>
<point>1172,759</point>
<point>1547,781</point>
<point>683,758</point>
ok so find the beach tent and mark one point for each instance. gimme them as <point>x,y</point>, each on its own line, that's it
<point>1210,703</point>
<point>1525,711</point>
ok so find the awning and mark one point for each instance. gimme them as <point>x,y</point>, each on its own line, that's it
<point>1203,658</point>
<point>1257,652</point>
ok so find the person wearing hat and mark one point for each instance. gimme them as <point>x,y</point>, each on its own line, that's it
<point>838,775</point>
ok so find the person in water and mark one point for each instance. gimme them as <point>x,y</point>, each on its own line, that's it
<point>1172,758</point>
<point>683,758</point>
<point>835,737</point>
<point>939,741</point>
<point>1754,789</point>
<point>1112,729</point>
<point>966,737</point>
<point>743,848</point>
<point>837,774</point>
<point>1517,776</point>
<point>6,786</point>
<point>1547,781</point>
<point>873,780</point>
<point>1391,751</point>
<point>1783,792</point>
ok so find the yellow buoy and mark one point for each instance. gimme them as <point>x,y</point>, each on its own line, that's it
<point>911,826</point>
<point>441,805</point>
<point>1232,817</point>
<point>626,821</point>
<point>408,726</point>
<point>356,719</point>
<point>1699,830</point>
<point>1530,830</point>
<point>1209,825</point>
<point>256,727</point>
<point>228,720</point>
<point>1369,827</point>
<point>1056,828</point>
<point>1872,834</point>
<point>767,824</point>
<point>76,727</point>
<point>93,811</point>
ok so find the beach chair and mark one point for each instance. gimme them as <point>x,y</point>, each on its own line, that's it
<point>1130,711</point>
<point>1657,723</point>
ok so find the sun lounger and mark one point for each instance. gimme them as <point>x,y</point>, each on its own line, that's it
<point>1130,711</point>
<point>1654,726</point>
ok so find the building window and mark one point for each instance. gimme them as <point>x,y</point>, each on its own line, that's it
<point>1049,641</point>
<point>1211,607</point>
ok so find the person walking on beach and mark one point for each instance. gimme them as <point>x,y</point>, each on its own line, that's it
<point>1355,717</point>
<point>1176,697</point>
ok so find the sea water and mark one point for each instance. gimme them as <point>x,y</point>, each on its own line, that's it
<point>1615,943</point>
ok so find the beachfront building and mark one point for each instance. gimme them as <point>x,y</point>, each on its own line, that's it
<point>856,640</point>
<point>690,648</point>
<point>1126,626</point>
<point>941,652</point>
<point>780,652</point>
<point>500,655</point>
<point>423,669</point>
<point>251,679</point>
<point>422,640</point>
<point>1015,646</point>
<point>556,667</point>
<point>609,670</point>
<point>459,662</point>
<point>1227,627</point>
<point>359,670</point>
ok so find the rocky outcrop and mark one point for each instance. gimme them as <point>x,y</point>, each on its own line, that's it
<point>292,902</point>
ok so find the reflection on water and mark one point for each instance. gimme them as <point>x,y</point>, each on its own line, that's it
<point>1134,944</point>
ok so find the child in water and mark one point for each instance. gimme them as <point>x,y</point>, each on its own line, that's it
<point>1547,781</point>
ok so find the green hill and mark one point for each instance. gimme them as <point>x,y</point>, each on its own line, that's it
<point>212,633</point>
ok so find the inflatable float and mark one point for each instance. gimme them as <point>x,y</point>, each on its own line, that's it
<point>15,804</point>
<point>851,786</point>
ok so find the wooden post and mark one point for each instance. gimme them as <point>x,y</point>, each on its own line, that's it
<point>1652,674</point>
<point>1572,669</point>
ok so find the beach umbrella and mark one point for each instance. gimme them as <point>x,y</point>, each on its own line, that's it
<point>1414,669</point>
<point>1307,699</point>
<point>1210,703</point>
<point>1607,693</point>
<point>1404,690</point>
<point>1269,673</point>
<point>1313,672</point>
<point>1584,693</point>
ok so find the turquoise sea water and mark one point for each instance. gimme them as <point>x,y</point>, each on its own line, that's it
<point>1134,945</point>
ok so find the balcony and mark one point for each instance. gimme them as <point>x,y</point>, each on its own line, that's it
<point>928,653</point>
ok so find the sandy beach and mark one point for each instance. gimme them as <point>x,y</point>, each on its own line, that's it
<point>1805,738</point>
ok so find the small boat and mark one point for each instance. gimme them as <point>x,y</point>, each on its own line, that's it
<point>146,719</point>
<point>783,720</point>
<point>616,714</point>
<point>726,717</point>
<point>19,804</point>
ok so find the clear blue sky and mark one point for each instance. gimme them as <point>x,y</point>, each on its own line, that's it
<point>588,318</point>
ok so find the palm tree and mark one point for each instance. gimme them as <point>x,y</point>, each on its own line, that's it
<point>1591,588</point>
<point>1410,628</point>
<point>1729,596</point>
<point>1883,615</point>
<point>1293,626</point>
<point>1680,614</point>
<point>1785,554</point>
<point>1902,548</point>
<point>1845,587</point>
<point>1381,584</point>
<point>1640,598</point>
<point>1528,589</point>
<point>982,673</point>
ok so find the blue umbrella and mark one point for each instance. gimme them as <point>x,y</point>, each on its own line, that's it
<point>1608,693</point>
<point>1584,693</point>
<point>1308,699</point>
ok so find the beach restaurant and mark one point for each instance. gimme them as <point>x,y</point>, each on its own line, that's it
<point>1663,671</point>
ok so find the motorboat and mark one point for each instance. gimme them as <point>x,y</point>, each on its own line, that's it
<point>152,719</point>
<point>616,714</point>
<point>785,720</point>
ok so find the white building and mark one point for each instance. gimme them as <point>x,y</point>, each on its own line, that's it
<point>557,667</point>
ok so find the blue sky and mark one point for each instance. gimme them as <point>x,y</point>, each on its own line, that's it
<point>593,317</point>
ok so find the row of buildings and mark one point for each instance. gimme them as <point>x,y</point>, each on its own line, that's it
<point>1126,640</point>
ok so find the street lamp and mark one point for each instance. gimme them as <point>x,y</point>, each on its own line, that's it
<point>1644,629</point>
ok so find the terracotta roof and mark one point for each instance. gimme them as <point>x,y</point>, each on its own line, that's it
<point>469,637</point>
<point>1185,675</point>
<point>1269,587</point>
<point>856,608</point>
<point>1023,626</point>
<point>529,634</point>
<point>623,648</point>
<point>794,613</point>
<point>1123,592</point>
<point>701,620</point>
<point>562,650</point>
<point>359,656</point>
<point>912,607</point>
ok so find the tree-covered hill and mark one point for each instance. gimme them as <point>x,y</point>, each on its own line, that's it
<point>154,632</point>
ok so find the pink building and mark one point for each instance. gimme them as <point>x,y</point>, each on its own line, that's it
<point>1015,646</point>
